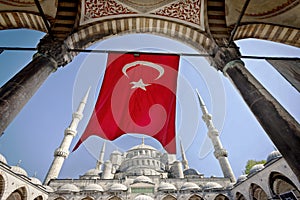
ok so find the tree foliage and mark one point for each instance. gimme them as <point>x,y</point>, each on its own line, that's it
<point>251,163</point>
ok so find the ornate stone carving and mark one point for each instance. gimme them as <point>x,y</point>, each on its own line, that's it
<point>184,10</point>
<point>102,8</point>
<point>55,49</point>
<point>61,152</point>
<point>220,153</point>
<point>69,131</point>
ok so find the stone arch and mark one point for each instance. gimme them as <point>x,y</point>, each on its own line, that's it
<point>13,20</point>
<point>195,197</point>
<point>257,193</point>
<point>2,186</point>
<point>59,198</point>
<point>18,194</point>
<point>114,198</point>
<point>221,197</point>
<point>285,35</point>
<point>169,197</point>
<point>100,30</point>
<point>88,198</point>
<point>239,196</point>
<point>278,184</point>
<point>39,197</point>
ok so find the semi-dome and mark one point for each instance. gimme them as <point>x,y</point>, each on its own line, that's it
<point>256,168</point>
<point>35,181</point>
<point>68,188</point>
<point>189,186</point>
<point>212,185</point>
<point>92,172</point>
<point>142,179</point>
<point>241,178</point>
<point>117,187</point>
<point>3,159</point>
<point>166,187</point>
<point>143,197</point>
<point>273,155</point>
<point>18,170</point>
<point>93,187</point>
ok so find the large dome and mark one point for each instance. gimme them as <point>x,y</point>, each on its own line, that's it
<point>19,170</point>
<point>142,146</point>
<point>166,187</point>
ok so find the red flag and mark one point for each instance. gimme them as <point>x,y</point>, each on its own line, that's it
<point>138,95</point>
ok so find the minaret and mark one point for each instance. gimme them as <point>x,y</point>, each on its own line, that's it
<point>184,160</point>
<point>101,157</point>
<point>220,153</point>
<point>62,152</point>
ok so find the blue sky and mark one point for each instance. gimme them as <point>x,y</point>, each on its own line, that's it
<point>38,129</point>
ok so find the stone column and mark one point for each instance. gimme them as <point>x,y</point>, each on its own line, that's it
<point>19,89</point>
<point>280,126</point>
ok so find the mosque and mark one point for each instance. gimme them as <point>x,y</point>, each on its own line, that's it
<point>212,28</point>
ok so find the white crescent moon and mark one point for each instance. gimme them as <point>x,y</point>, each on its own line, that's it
<point>159,68</point>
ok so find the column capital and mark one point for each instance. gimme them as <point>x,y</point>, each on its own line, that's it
<point>55,49</point>
<point>232,64</point>
<point>224,55</point>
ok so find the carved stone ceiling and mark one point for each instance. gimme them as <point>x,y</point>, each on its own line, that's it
<point>187,11</point>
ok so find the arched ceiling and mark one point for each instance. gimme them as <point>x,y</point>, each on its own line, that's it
<point>266,19</point>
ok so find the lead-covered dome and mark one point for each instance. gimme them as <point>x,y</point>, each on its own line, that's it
<point>189,186</point>
<point>3,159</point>
<point>256,168</point>
<point>117,187</point>
<point>19,170</point>
<point>273,155</point>
<point>212,185</point>
<point>92,172</point>
<point>142,179</point>
<point>241,178</point>
<point>35,181</point>
<point>166,187</point>
<point>68,188</point>
<point>93,187</point>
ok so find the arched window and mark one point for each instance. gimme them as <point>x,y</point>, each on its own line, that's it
<point>257,193</point>
<point>18,194</point>
<point>2,186</point>
<point>39,198</point>
<point>221,197</point>
<point>169,197</point>
<point>114,198</point>
<point>87,198</point>
<point>59,198</point>
<point>239,196</point>
<point>280,184</point>
<point>195,197</point>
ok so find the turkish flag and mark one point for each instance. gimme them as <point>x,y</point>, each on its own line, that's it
<point>138,95</point>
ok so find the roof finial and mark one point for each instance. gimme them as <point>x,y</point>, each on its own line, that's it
<point>143,140</point>
<point>19,162</point>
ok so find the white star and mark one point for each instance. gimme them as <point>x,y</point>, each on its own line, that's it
<point>139,84</point>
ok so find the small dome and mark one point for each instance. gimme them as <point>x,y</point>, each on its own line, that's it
<point>212,185</point>
<point>116,152</point>
<point>189,186</point>
<point>190,172</point>
<point>143,197</point>
<point>48,188</point>
<point>19,170</point>
<point>142,179</point>
<point>166,187</point>
<point>35,181</point>
<point>118,187</point>
<point>241,178</point>
<point>256,168</point>
<point>92,172</point>
<point>273,155</point>
<point>93,187</point>
<point>3,159</point>
<point>68,188</point>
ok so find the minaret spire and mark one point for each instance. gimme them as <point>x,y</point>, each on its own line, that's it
<point>220,153</point>
<point>101,157</point>
<point>184,160</point>
<point>62,152</point>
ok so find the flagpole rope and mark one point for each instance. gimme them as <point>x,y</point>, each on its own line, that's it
<point>2,49</point>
